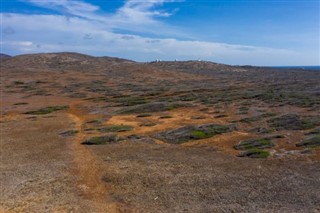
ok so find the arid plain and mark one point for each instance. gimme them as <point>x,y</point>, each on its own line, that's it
<point>102,134</point>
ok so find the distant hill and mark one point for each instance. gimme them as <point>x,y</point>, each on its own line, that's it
<point>61,61</point>
<point>200,67</point>
<point>4,56</point>
<point>70,61</point>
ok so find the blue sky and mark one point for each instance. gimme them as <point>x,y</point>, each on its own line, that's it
<point>260,32</point>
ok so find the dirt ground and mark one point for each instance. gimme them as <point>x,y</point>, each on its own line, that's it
<point>48,115</point>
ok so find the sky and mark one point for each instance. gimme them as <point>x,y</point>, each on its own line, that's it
<point>237,32</point>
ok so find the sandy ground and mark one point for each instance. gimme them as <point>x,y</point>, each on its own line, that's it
<point>36,167</point>
<point>160,178</point>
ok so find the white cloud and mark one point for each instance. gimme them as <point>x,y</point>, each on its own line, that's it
<point>90,31</point>
<point>55,33</point>
<point>24,43</point>
<point>142,10</point>
<point>72,7</point>
<point>135,15</point>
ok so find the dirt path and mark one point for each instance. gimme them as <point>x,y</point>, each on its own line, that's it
<point>88,167</point>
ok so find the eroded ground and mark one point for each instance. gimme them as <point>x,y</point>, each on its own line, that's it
<point>84,134</point>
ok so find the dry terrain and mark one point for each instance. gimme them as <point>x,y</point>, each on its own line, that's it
<point>102,134</point>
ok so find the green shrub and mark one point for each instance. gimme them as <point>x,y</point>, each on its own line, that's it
<point>96,121</point>
<point>198,134</point>
<point>116,128</point>
<point>255,153</point>
<point>255,143</point>
<point>311,142</point>
<point>294,122</point>
<point>144,115</point>
<point>221,116</point>
<point>18,82</point>
<point>47,110</point>
<point>187,133</point>
<point>100,140</point>
<point>20,103</point>
<point>165,116</point>
<point>69,132</point>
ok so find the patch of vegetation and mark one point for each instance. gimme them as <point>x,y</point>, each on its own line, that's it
<point>311,122</point>
<point>311,142</point>
<point>173,106</point>
<point>243,108</point>
<point>20,103</point>
<point>18,82</point>
<point>242,113</point>
<point>144,115</point>
<point>198,134</point>
<point>294,122</point>
<point>100,140</point>
<point>77,95</point>
<point>279,96</point>
<point>152,107</point>
<point>314,132</point>
<point>247,103</point>
<point>41,92</point>
<point>221,116</point>
<point>191,97</point>
<point>187,133</point>
<point>249,120</point>
<point>89,129</point>
<point>278,136</point>
<point>97,86</point>
<point>130,101</point>
<point>96,121</point>
<point>69,133</point>
<point>255,153</point>
<point>116,128</point>
<point>255,143</point>
<point>268,114</point>
<point>47,110</point>
<point>140,138</point>
<point>165,117</point>
<point>203,109</point>
<point>257,118</point>
<point>153,93</point>
<point>198,117</point>
<point>40,82</point>
<point>261,130</point>
<point>97,99</point>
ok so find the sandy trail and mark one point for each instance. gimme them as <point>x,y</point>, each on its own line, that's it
<point>88,168</point>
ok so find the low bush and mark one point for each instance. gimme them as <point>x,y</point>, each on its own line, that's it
<point>100,140</point>
<point>255,143</point>
<point>312,142</point>
<point>47,110</point>
<point>116,128</point>
<point>255,153</point>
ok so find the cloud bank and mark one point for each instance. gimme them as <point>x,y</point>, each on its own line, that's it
<point>133,31</point>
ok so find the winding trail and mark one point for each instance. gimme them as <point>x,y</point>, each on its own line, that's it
<point>87,167</point>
